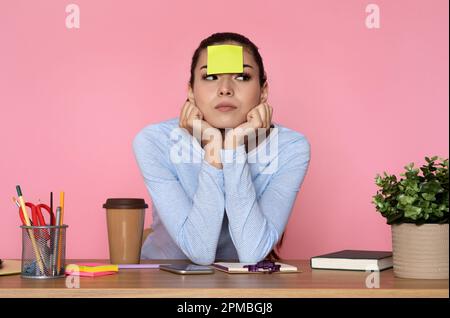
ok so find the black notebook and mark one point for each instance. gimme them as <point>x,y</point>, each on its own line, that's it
<point>354,260</point>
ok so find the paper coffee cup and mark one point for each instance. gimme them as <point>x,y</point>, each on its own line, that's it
<point>125,222</point>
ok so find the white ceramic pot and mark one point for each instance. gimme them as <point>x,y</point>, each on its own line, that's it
<point>420,251</point>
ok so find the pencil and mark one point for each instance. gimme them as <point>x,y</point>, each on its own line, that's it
<point>18,205</point>
<point>61,199</point>
<point>30,232</point>
<point>61,222</point>
<point>55,269</point>
<point>16,202</point>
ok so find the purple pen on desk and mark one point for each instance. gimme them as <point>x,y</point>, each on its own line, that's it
<point>139,266</point>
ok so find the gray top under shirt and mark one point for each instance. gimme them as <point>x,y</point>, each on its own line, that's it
<point>205,214</point>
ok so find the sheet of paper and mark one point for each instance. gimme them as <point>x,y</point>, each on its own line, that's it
<point>11,267</point>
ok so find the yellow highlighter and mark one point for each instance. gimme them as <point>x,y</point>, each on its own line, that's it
<point>225,59</point>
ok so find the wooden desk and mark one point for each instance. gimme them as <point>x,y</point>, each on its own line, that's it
<point>156,283</point>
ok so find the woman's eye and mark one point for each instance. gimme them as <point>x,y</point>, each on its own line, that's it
<point>209,77</point>
<point>240,77</point>
<point>243,77</point>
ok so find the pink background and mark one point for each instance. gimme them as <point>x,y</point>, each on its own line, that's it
<point>71,101</point>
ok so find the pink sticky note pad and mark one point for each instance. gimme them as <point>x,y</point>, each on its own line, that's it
<point>89,274</point>
<point>92,264</point>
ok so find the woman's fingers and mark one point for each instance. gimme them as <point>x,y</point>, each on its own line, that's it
<point>195,122</point>
<point>258,120</point>
<point>188,113</point>
<point>182,120</point>
<point>195,113</point>
<point>188,119</point>
<point>264,114</point>
<point>193,116</point>
<point>271,113</point>
<point>267,115</point>
<point>191,113</point>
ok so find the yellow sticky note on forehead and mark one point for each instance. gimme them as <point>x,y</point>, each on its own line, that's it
<point>225,59</point>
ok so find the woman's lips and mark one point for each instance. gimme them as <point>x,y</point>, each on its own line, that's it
<point>225,108</point>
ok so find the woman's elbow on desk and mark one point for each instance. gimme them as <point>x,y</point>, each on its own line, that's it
<point>254,251</point>
<point>255,254</point>
<point>203,260</point>
<point>200,255</point>
<point>248,257</point>
<point>251,259</point>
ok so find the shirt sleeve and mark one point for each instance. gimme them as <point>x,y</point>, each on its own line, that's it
<point>195,224</point>
<point>256,225</point>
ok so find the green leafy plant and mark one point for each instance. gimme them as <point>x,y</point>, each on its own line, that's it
<point>417,198</point>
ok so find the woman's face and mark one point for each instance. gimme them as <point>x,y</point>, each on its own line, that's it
<point>243,91</point>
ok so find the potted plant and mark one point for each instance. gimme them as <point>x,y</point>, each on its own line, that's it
<point>416,207</point>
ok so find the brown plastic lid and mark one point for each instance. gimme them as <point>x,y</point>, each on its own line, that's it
<point>125,203</point>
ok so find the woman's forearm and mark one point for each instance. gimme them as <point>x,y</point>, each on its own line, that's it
<point>200,231</point>
<point>212,149</point>
<point>256,222</point>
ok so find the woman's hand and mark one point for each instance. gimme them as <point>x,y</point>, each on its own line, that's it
<point>191,118</point>
<point>209,137</point>
<point>259,117</point>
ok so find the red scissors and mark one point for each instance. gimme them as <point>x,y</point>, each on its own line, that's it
<point>37,218</point>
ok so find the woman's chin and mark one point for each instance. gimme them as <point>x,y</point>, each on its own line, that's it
<point>222,123</point>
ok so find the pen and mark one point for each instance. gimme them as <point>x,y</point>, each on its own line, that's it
<point>52,222</point>
<point>139,266</point>
<point>60,223</point>
<point>56,244</point>
<point>51,208</point>
<point>30,232</point>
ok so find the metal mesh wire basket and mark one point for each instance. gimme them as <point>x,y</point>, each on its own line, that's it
<point>43,251</point>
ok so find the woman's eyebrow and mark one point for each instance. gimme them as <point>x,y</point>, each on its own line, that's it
<point>245,65</point>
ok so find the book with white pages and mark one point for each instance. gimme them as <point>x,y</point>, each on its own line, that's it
<point>357,260</point>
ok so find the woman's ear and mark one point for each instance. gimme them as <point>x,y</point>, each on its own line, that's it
<point>191,94</point>
<point>264,93</point>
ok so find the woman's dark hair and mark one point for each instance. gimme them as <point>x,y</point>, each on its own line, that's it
<point>218,38</point>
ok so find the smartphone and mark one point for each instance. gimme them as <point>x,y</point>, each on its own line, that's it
<point>187,269</point>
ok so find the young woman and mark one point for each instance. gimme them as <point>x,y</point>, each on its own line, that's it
<point>230,200</point>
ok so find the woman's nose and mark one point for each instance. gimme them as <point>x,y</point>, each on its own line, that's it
<point>225,89</point>
<point>225,92</point>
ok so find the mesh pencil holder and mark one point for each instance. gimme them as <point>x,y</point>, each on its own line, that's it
<point>43,251</point>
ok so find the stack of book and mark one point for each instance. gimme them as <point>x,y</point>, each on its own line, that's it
<point>358,260</point>
<point>91,269</point>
